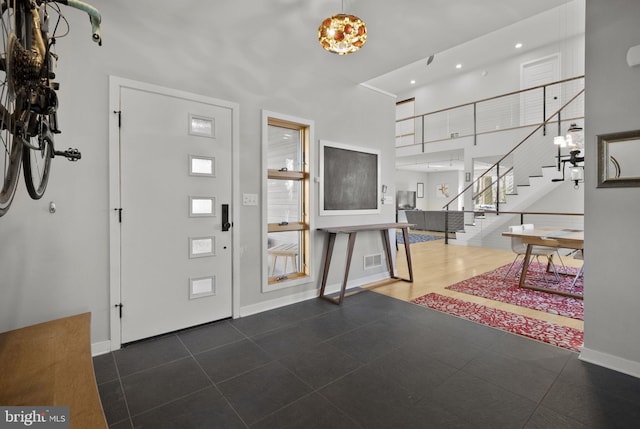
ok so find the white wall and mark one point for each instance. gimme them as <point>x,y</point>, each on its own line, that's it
<point>612,234</point>
<point>408,181</point>
<point>435,198</point>
<point>55,265</point>
<point>500,78</point>
<point>432,200</point>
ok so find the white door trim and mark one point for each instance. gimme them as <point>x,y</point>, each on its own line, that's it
<point>553,58</point>
<point>556,61</point>
<point>115,86</point>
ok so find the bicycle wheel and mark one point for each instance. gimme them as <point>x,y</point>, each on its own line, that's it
<point>11,147</point>
<point>12,154</point>
<point>36,161</point>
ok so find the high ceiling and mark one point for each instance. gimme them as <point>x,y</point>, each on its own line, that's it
<point>402,34</point>
<point>543,28</point>
<point>247,34</point>
<point>473,33</point>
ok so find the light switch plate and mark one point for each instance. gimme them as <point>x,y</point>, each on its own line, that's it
<point>249,199</point>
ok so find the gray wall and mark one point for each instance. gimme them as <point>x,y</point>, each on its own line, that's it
<point>612,234</point>
<point>55,265</point>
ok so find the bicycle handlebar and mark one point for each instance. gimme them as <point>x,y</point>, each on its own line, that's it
<point>94,17</point>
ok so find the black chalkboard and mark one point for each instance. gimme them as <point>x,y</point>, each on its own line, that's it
<point>350,179</point>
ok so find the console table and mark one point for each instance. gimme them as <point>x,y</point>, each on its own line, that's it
<point>50,364</point>
<point>351,231</point>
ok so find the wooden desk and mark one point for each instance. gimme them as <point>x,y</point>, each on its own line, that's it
<point>50,364</point>
<point>550,237</point>
<point>352,231</point>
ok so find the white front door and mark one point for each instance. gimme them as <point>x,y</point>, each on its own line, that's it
<point>175,157</point>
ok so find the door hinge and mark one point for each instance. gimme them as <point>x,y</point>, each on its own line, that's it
<point>119,113</point>
<point>119,210</point>
<point>119,307</point>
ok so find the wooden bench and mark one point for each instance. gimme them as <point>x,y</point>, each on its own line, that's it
<point>50,364</point>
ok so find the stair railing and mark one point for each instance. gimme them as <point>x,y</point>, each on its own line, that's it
<point>496,165</point>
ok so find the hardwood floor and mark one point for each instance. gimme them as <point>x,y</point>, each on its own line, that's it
<point>436,266</point>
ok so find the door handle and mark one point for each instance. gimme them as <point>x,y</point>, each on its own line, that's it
<point>225,217</point>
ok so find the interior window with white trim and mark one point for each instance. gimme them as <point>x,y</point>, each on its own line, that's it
<point>287,201</point>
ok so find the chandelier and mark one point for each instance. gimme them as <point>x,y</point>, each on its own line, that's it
<point>342,34</point>
<point>574,140</point>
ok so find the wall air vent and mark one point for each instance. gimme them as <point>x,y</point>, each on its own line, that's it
<point>372,261</point>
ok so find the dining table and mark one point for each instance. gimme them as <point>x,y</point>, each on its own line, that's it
<point>560,238</point>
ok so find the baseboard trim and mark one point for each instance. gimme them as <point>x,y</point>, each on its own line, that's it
<point>272,304</point>
<point>606,360</point>
<point>100,348</point>
<point>103,347</point>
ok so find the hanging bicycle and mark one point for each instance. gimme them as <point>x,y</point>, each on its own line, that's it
<point>28,98</point>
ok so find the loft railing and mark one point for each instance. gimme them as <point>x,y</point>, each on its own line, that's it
<point>517,109</point>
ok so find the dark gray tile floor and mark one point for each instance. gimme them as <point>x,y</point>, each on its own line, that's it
<point>374,362</point>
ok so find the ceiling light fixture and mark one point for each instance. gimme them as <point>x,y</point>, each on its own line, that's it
<point>413,82</point>
<point>342,34</point>
<point>574,140</point>
<point>458,66</point>
<point>518,45</point>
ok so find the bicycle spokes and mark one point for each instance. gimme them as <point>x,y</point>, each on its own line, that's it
<point>28,98</point>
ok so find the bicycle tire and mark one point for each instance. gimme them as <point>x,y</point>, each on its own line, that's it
<point>36,165</point>
<point>11,170</point>
<point>12,23</point>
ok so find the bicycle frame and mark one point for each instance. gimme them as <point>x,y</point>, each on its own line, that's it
<point>28,114</point>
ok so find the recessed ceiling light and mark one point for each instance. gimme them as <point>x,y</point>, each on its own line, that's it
<point>413,82</point>
<point>518,45</point>
<point>458,66</point>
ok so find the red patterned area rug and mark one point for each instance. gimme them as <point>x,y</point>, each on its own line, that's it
<point>493,285</point>
<point>560,336</point>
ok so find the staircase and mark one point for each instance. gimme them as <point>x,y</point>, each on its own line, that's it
<point>490,126</point>
<point>485,230</point>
